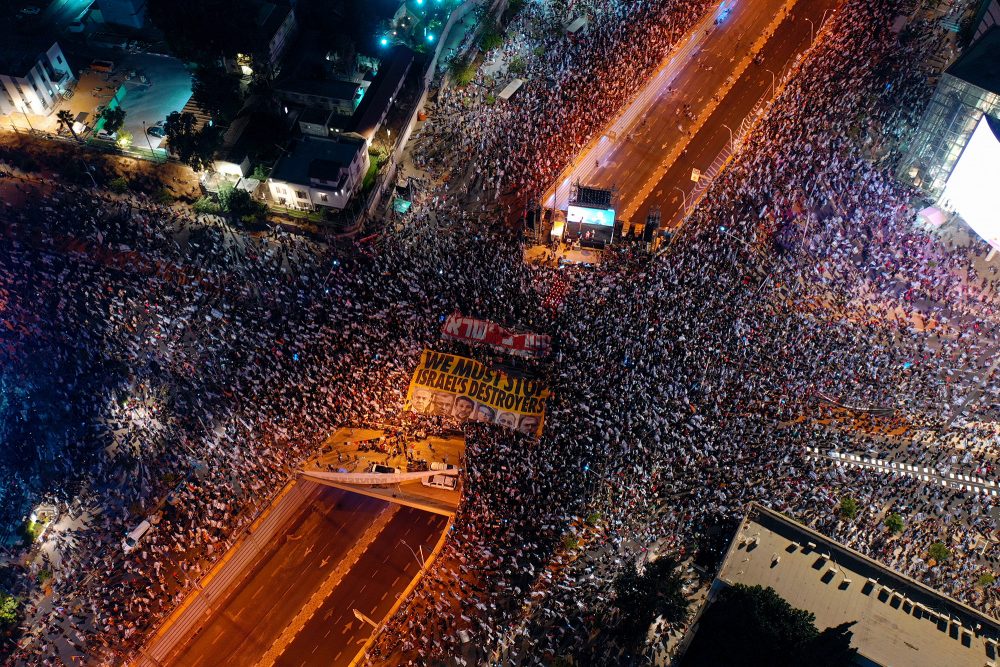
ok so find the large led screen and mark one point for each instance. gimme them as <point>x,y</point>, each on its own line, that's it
<point>591,216</point>
<point>971,189</point>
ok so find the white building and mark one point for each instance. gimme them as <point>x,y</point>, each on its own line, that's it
<point>319,172</point>
<point>32,78</point>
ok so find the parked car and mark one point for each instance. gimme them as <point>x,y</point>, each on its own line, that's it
<point>156,130</point>
<point>76,26</point>
<point>31,11</point>
<point>437,465</point>
<point>103,66</point>
<point>378,467</point>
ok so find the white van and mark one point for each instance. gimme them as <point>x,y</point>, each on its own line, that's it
<point>137,533</point>
<point>449,482</point>
<point>437,465</point>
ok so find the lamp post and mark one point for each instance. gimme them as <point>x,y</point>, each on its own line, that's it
<point>420,560</point>
<point>823,20</point>
<point>684,199</point>
<point>812,30</point>
<point>731,143</point>
<point>148,142</point>
<point>772,81</point>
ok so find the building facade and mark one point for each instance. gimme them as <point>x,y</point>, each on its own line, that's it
<point>966,92</point>
<point>319,173</point>
<point>32,78</point>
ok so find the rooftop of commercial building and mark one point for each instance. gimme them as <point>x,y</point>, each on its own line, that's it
<point>980,64</point>
<point>899,620</point>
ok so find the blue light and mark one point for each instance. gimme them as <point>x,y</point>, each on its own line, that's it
<point>384,41</point>
<point>430,37</point>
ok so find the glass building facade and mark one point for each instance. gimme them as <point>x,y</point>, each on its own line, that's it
<point>950,119</point>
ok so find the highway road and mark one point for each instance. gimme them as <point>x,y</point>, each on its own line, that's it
<point>679,121</point>
<point>334,635</point>
<point>252,618</point>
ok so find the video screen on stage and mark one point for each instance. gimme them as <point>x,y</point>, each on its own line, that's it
<point>971,189</point>
<point>591,216</point>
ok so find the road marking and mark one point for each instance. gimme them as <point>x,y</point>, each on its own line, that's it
<point>326,588</point>
<point>383,596</point>
<point>396,581</point>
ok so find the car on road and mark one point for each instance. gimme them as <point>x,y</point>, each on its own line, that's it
<point>437,465</point>
<point>31,11</point>
<point>156,130</point>
<point>378,467</point>
<point>76,26</point>
<point>449,482</point>
<point>135,535</point>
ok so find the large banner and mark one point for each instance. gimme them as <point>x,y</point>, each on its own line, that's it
<point>472,330</point>
<point>449,385</point>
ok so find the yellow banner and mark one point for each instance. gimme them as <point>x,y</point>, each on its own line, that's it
<point>453,386</point>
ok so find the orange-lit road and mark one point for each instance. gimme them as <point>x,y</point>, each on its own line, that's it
<point>641,152</point>
<point>253,616</point>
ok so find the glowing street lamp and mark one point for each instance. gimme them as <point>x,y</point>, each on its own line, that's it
<point>384,41</point>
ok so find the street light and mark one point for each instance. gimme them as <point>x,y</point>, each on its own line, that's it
<point>823,20</point>
<point>148,143</point>
<point>772,81</point>
<point>731,142</point>
<point>812,30</point>
<point>684,199</point>
<point>420,561</point>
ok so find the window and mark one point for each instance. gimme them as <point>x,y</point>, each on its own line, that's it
<point>59,60</point>
<point>322,196</point>
<point>300,194</point>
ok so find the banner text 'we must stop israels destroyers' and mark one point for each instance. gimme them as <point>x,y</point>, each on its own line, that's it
<point>450,385</point>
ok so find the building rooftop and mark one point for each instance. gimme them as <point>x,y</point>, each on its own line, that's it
<point>332,89</point>
<point>899,620</point>
<point>379,95</point>
<point>980,64</point>
<point>317,157</point>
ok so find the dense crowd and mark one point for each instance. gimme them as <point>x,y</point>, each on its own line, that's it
<point>572,88</point>
<point>194,365</point>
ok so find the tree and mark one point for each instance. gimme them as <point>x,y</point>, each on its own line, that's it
<point>194,147</point>
<point>986,579</point>
<point>113,119</point>
<point>238,203</point>
<point>894,523</point>
<point>65,118</point>
<point>8,609</point>
<point>658,591</point>
<point>753,626</point>
<point>848,507</point>
<point>939,552</point>
<point>217,91</point>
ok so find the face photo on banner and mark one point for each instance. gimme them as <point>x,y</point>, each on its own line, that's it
<point>448,385</point>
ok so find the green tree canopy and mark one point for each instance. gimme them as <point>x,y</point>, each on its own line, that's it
<point>113,119</point>
<point>640,598</point>
<point>217,91</point>
<point>894,522</point>
<point>9,609</point>
<point>939,552</point>
<point>753,626</point>
<point>848,507</point>
<point>192,146</point>
<point>239,204</point>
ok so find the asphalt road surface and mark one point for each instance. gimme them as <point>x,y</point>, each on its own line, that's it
<point>334,634</point>
<point>632,153</point>
<point>253,616</point>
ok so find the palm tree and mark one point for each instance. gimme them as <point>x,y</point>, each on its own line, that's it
<point>65,118</point>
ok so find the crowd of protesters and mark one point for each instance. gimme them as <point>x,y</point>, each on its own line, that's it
<point>572,88</point>
<point>692,385</point>
<point>195,365</point>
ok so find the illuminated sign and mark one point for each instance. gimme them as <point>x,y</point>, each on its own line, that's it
<point>591,216</point>
<point>971,189</point>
